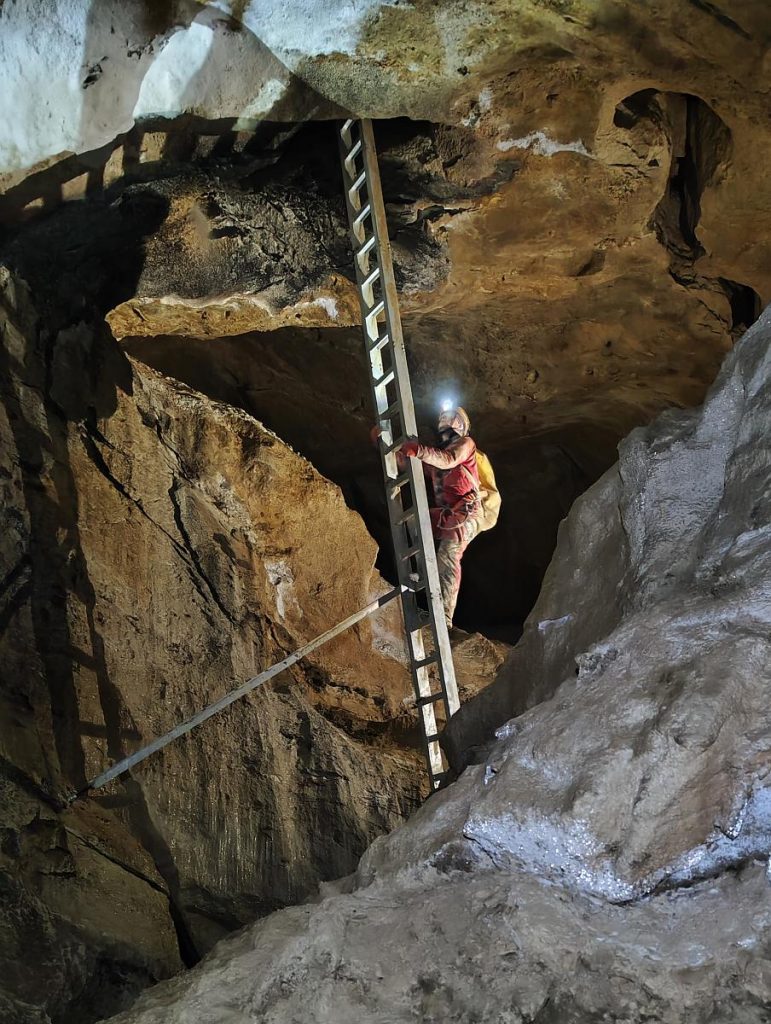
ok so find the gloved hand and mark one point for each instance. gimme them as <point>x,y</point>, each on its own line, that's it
<point>409,448</point>
<point>374,435</point>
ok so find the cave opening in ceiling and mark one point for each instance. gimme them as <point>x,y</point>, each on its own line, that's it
<point>701,150</point>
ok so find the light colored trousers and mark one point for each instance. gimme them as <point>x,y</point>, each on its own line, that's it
<point>448,558</point>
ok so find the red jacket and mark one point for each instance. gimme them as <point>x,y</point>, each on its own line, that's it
<point>454,476</point>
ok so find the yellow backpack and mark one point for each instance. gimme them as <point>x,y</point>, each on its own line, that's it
<point>489,495</point>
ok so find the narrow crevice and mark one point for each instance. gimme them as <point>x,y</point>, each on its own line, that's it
<point>193,555</point>
<point>12,576</point>
<point>16,601</point>
<point>185,549</point>
<point>116,860</point>
<point>721,18</point>
<point>701,146</point>
<point>745,304</point>
<point>30,786</point>
<point>671,885</point>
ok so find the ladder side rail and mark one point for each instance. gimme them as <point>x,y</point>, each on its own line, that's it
<point>377,246</point>
<point>394,328</point>
<point>383,245</point>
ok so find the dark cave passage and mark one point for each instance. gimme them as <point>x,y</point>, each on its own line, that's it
<point>308,385</point>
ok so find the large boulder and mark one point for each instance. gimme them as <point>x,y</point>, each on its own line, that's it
<point>607,859</point>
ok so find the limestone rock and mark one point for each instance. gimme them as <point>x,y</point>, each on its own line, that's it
<point>157,549</point>
<point>485,946</point>
<point>654,610</point>
<point>607,859</point>
<point>226,260</point>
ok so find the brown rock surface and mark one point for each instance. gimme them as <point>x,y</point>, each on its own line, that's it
<point>566,291</point>
<point>581,233</point>
<point>158,548</point>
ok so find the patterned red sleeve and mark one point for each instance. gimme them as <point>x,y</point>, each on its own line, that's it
<point>449,457</point>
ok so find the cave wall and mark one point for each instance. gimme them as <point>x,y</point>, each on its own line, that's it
<point>580,220</point>
<point>158,548</point>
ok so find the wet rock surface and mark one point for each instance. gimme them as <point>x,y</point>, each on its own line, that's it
<point>607,858</point>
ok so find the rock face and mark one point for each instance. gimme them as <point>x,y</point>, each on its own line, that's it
<point>607,858</point>
<point>157,549</point>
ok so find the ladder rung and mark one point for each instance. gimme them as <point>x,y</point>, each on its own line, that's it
<point>386,414</point>
<point>432,698</point>
<point>364,249</point>
<point>410,553</point>
<point>426,661</point>
<point>367,284</point>
<point>405,516</point>
<point>432,738</point>
<point>392,447</point>
<point>362,215</point>
<point>371,278</point>
<point>386,379</point>
<point>371,323</point>
<point>351,156</point>
<point>399,481</point>
<point>345,131</point>
<point>381,342</point>
<point>357,185</point>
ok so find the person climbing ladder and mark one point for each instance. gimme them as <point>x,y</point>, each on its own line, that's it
<point>466,500</point>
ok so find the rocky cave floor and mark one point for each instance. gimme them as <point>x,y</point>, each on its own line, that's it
<point>579,216</point>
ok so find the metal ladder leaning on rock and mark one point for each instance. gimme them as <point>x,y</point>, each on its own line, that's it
<point>428,645</point>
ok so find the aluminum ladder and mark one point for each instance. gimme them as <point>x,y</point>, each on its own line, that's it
<point>428,645</point>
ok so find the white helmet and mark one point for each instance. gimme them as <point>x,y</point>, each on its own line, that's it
<point>454,419</point>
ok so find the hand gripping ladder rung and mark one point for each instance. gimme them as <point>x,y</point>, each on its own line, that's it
<point>428,645</point>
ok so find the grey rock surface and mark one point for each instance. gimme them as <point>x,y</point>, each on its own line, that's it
<point>608,858</point>
<point>474,948</point>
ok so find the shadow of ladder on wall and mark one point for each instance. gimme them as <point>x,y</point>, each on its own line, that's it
<point>428,644</point>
